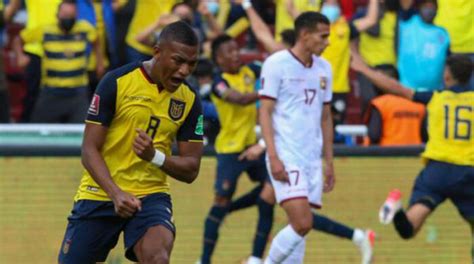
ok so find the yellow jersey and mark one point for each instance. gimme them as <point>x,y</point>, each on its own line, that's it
<point>127,99</point>
<point>40,13</point>
<point>338,55</point>
<point>237,121</point>
<point>146,13</point>
<point>450,125</point>
<point>456,17</point>
<point>377,50</point>
<point>284,20</point>
<point>101,36</point>
<point>64,64</point>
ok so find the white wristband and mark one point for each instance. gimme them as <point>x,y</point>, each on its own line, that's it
<point>159,158</point>
<point>262,144</point>
<point>246,4</point>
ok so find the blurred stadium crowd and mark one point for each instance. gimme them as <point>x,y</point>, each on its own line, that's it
<point>54,58</point>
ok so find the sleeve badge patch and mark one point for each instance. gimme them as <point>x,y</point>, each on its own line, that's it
<point>95,105</point>
<point>323,82</point>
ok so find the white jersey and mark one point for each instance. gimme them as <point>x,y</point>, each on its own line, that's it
<point>300,93</point>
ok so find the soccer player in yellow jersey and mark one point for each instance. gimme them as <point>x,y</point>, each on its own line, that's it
<point>135,115</point>
<point>235,99</point>
<point>449,152</point>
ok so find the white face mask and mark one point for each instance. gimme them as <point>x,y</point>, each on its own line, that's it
<point>205,89</point>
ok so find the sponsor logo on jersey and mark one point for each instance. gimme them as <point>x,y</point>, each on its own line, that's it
<point>176,109</point>
<point>137,98</point>
<point>95,105</point>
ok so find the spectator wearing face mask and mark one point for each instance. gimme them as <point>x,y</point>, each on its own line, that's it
<point>421,45</point>
<point>64,94</point>
<point>29,56</point>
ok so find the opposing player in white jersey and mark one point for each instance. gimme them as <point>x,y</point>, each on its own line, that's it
<point>297,127</point>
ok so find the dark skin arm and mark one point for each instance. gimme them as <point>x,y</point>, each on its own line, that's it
<point>94,137</point>
<point>184,167</point>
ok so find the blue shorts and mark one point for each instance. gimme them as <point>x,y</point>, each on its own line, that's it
<point>94,228</point>
<point>229,168</point>
<point>439,181</point>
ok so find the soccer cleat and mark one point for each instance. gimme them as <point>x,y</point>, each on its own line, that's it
<point>392,205</point>
<point>252,260</point>
<point>366,246</point>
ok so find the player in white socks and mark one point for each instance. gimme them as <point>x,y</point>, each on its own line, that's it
<point>295,117</point>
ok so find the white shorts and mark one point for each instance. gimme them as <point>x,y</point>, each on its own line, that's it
<point>305,182</point>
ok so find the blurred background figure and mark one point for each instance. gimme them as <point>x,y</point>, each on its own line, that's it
<point>6,12</point>
<point>64,94</point>
<point>40,13</point>
<point>456,18</point>
<point>145,14</point>
<point>421,45</point>
<point>393,120</point>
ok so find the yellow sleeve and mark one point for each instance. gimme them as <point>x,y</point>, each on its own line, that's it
<point>91,32</point>
<point>32,35</point>
<point>238,27</point>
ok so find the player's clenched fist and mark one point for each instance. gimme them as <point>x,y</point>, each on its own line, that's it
<point>278,170</point>
<point>126,204</point>
<point>143,145</point>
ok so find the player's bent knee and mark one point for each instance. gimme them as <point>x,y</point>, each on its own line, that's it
<point>221,201</point>
<point>302,225</point>
<point>156,257</point>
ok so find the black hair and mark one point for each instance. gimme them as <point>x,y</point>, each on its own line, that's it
<point>180,4</point>
<point>288,37</point>
<point>309,20</point>
<point>204,68</point>
<point>435,2</point>
<point>73,2</point>
<point>179,32</point>
<point>461,67</point>
<point>388,69</point>
<point>217,43</point>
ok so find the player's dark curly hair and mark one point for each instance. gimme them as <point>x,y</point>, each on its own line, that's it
<point>217,43</point>
<point>179,32</point>
<point>461,67</point>
<point>308,21</point>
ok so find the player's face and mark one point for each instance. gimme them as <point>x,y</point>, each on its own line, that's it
<point>175,62</point>
<point>316,41</point>
<point>228,57</point>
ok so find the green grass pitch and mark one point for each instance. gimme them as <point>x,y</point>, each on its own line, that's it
<point>36,197</point>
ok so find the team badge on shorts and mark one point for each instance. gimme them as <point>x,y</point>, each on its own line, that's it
<point>66,246</point>
<point>176,109</point>
<point>323,82</point>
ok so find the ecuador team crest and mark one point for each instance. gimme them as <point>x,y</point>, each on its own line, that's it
<point>323,82</point>
<point>176,109</point>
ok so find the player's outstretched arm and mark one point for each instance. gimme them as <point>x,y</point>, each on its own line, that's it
<point>94,138</point>
<point>381,81</point>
